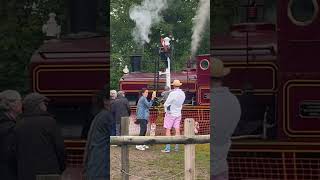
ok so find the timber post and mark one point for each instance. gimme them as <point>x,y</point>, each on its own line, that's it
<point>124,149</point>
<point>189,151</point>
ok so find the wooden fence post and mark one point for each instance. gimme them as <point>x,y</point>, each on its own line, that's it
<point>124,149</point>
<point>189,151</point>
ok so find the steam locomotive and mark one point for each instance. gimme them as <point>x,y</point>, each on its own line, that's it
<point>195,81</point>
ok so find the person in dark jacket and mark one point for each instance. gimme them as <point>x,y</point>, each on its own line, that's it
<point>113,97</point>
<point>40,146</point>
<point>97,152</point>
<point>10,108</point>
<point>120,108</point>
<point>165,93</point>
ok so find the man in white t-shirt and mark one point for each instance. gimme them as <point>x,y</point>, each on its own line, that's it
<point>173,107</point>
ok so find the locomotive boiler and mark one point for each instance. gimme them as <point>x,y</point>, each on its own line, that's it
<point>195,81</point>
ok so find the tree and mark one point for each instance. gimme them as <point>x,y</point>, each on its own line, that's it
<point>20,34</point>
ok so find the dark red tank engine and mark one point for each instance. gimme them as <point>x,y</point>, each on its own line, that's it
<point>70,72</point>
<point>275,72</point>
<point>195,82</point>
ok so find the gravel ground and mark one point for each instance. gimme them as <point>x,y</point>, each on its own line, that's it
<point>153,164</point>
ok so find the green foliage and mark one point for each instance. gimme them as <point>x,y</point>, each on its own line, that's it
<point>177,18</point>
<point>20,34</point>
<point>223,15</point>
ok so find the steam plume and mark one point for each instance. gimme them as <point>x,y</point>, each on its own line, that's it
<point>146,15</point>
<point>199,22</point>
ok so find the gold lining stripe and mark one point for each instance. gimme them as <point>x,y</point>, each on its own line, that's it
<point>286,101</point>
<point>35,73</point>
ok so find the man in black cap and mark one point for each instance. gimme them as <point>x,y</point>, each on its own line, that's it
<point>40,146</point>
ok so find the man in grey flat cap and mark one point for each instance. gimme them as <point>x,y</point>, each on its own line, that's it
<point>120,108</point>
<point>40,146</point>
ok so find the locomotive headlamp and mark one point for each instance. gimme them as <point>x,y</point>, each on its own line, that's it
<point>51,28</point>
<point>125,70</point>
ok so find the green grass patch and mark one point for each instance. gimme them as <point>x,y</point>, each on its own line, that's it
<point>173,162</point>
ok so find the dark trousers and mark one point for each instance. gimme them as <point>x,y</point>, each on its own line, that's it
<point>118,129</point>
<point>143,127</point>
<point>113,129</point>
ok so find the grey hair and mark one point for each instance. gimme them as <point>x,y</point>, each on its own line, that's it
<point>8,99</point>
<point>113,92</point>
<point>121,93</point>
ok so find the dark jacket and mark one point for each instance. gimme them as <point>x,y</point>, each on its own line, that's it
<point>120,108</point>
<point>165,95</point>
<point>97,152</point>
<point>8,169</point>
<point>40,146</point>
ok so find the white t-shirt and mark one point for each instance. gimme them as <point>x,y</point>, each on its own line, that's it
<point>175,100</point>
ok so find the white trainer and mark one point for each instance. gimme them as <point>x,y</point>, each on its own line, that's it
<point>146,147</point>
<point>140,147</point>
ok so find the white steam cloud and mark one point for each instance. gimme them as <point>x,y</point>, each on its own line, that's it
<point>199,22</point>
<point>146,15</point>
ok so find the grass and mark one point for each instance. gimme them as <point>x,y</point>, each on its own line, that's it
<point>154,164</point>
<point>175,161</point>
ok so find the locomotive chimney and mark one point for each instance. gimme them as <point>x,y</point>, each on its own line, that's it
<point>135,61</point>
<point>83,15</point>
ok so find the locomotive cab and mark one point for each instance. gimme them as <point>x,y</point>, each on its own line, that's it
<point>249,49</point>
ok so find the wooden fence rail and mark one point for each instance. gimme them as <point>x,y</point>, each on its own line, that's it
<point>189,139</point>
<point>136,140</point>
